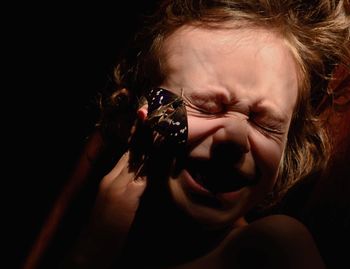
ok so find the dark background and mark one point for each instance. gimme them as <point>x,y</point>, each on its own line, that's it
<point>57,57</point>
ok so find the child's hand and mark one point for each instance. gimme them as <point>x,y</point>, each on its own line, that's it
<point>118,198</point>
<point>102,241</point>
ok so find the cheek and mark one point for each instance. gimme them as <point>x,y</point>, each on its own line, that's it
<point>267,153</point>
<point>199,127</point>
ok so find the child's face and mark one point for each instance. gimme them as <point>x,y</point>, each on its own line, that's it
<point>240,87</point>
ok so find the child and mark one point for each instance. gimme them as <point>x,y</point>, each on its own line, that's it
<point>218,105</point>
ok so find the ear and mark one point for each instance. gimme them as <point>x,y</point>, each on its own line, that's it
<point>142,112</point>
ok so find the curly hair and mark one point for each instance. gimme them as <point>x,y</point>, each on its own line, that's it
<point>316,32</point>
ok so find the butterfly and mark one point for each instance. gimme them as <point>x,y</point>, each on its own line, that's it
<point>167,115</point>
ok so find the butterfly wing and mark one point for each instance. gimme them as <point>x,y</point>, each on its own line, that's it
<point>167,115</point>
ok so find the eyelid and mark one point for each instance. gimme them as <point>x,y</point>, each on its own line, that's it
<point>214,110</point>
<point>269,128</point>
<point>263,122</point>
<point>267,123</point>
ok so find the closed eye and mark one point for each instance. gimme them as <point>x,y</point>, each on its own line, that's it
<point>206,110</point>
<point>205,105</point>
<point>267,126</point>
<point>268,129</point>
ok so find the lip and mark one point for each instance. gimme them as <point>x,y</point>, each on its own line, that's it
<point>216,179</point>
<point>194,186</point>
<point>228,197</point>
<point>223,198</point>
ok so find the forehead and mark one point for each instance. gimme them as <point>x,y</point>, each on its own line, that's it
<point>231,60</point>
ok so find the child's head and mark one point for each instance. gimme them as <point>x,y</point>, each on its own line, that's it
<point>251,59</point>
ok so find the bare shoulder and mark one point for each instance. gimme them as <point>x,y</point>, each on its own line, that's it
<point>276,241</point>
<point>283,229</point>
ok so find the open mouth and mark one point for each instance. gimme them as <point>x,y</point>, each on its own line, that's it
<point>217,178</point>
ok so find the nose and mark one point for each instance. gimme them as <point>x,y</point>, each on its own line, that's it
<point>230,141</point>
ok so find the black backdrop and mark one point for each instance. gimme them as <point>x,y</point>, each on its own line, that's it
<point>55,58</point>
<point>58,57</point>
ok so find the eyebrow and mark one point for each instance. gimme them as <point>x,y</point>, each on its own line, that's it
<point>267,110</point>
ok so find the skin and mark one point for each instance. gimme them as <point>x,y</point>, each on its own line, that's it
<point>240,88</point>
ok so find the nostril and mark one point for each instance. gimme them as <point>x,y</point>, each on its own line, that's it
<point>226,152</point>
<point>232,137</point>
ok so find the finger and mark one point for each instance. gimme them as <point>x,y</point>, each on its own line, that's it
<point>115,172</point>
<point>126,175</point>
<point>136,187</point>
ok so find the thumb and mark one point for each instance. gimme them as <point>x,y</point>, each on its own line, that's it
<point>137,186</point>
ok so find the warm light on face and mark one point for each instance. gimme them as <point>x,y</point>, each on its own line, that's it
<point>240,88</point>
